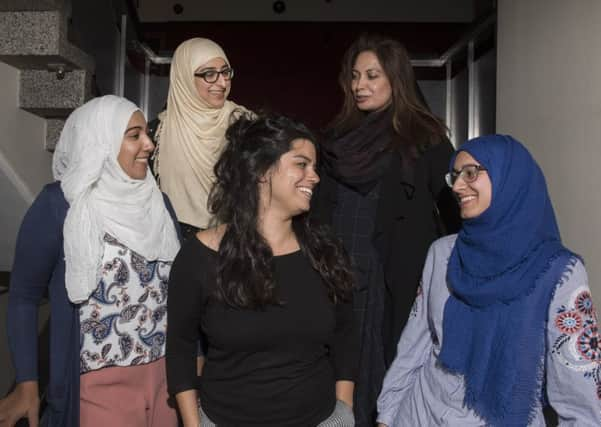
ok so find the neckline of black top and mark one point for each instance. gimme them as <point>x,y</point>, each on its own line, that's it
<point>215,253</point>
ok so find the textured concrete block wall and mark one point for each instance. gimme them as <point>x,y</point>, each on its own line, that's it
<point>42,93</point>
<point>30,33</point>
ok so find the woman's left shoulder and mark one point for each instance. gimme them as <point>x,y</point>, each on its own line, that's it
<point>441,248</point>
<point>445,243</point>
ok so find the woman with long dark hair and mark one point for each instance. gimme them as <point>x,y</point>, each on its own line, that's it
<point>272,293</point>
<point>504,322</point>
<point>383,191</point>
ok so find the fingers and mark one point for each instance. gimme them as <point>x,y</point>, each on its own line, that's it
<point>9,415</point>
<point>22,402</point>
<point>33,417</point>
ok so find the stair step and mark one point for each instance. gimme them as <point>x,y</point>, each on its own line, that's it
<point>43,94</point>
<point>14,5</point>
<point>35,39</point>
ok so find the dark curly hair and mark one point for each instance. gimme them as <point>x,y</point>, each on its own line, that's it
<point>415,126</point>
<point>245,268</point>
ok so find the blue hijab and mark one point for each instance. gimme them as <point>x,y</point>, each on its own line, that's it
<point>502,273</point>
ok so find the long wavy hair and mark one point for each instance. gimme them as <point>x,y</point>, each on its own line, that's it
<point>415,127</point>
<point>245,267</point>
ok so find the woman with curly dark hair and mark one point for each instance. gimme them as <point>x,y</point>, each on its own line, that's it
<point>271,292</point>
<point>384,193</point>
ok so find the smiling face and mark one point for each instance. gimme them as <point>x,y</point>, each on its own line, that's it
<point>289,185</point>
<point>370,84</point>
<point>136,147</point>
<point>474,197</point>
<point>214,94</point>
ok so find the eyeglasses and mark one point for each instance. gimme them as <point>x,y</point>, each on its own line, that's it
<point>468,173</point>
<point>211,76</point>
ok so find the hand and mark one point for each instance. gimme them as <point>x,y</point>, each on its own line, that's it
<point>23,401</point>
<point>200,362</point>
<point>381,425</point>
<point>187,402</point>
<point>344,392</point>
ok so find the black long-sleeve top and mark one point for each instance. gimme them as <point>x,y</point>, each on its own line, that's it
<point>271,367</point>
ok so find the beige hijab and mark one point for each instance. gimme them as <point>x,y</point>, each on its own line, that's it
<point>191,134</point>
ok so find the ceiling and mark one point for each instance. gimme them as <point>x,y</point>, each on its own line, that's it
<point>310,10</point>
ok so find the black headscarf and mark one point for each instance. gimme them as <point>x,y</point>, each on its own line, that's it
<point>359,158</point>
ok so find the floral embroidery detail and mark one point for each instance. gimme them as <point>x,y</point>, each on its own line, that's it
<point>584,303</point>
<point>418,297</point>
<point>568,322</point>
<point>124,321</point>
<point>578,346</point>
<point>588,344</point>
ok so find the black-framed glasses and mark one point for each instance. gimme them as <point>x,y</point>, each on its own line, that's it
<point>468,173</point>
<point>211,76</point>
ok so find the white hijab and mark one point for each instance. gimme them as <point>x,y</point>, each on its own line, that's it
<point>103,198</point>
<point>191,134</point>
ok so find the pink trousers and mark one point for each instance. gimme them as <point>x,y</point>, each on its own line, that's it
<point>134,396</point>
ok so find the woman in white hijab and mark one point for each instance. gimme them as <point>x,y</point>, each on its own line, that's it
<point>190,134</point>
<point>99,242</point>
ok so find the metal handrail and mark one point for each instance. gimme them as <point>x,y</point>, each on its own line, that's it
<point>151,56</point>
<point>459,46</point>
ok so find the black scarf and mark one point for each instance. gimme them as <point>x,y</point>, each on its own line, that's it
<point>360,157</point>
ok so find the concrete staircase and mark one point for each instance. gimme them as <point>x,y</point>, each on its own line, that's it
<point>55,74</point>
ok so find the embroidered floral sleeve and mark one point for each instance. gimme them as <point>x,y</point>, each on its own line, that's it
<point>418,303</point>
<point>574,352</point>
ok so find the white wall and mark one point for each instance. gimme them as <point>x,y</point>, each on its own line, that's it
<point>310,10</point>
<point>24,164</point>
<point>549,97</point>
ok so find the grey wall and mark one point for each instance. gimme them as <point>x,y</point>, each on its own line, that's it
<point>24,169</point>
<point>549,97</point>
<point>435,93</point>
<point>24,164</point>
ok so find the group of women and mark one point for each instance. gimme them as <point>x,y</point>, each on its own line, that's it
<point>299,271</point>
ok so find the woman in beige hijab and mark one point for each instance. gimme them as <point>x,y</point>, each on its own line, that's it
<point>191,133</point>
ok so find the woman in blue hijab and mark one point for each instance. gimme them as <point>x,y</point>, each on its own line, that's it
<point>503,323</point>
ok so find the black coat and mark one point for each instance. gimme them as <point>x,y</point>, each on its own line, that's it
<point>414,209</point>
